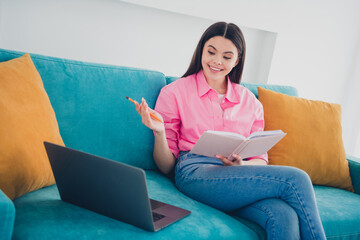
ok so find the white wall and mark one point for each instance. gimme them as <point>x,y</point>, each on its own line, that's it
<point>351,110</point>
<point>1,19</point>
<point>315,43</point>
<point>114,32</point>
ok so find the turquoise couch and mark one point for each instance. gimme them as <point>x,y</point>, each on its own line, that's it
<point>94,116</point>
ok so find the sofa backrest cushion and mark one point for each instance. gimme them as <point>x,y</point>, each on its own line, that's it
<point>288,90</point>
<point>253,87</point>
<point>92,112</point>
<point>90,105</point>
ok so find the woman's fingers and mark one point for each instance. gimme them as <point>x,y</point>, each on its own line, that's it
<point>237,160</point>
<point>143,108</point>
<point>137,105</point>
<point>225,161</point>
<point>155,113</point>
<point>146,118</point>
<point>145,113</point>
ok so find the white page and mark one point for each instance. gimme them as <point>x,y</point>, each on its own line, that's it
<point>210,144</point>
<point>230,134</point>
<point>258,146</point>
<point>265,133</point>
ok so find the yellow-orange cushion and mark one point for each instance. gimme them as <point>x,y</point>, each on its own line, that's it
<point>26,119</point>
<point>314,137</point>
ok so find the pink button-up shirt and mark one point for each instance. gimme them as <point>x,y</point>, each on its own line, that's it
<point>189,106</point>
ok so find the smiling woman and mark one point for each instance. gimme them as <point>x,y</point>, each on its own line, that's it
<point>248,187</point>
<point>220,51</point>
<point>219,57</point>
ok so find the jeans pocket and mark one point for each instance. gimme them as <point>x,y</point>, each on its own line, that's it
<point>182,156</point>
<point>185,158</point>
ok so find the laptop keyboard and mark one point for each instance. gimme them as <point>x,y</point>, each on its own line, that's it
<point>157,216</point>
<point>155,204</point>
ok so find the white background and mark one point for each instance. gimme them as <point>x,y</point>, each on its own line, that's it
<point>115,32</point>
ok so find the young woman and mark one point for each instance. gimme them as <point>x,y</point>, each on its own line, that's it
<point>209,97</point>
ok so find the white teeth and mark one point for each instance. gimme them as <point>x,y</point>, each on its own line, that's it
<point>215,69</point>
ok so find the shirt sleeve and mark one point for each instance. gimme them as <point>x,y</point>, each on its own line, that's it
<point>258,125</point>
<point>167,106</point>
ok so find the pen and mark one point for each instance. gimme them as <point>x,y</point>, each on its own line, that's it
<point>152,115</point>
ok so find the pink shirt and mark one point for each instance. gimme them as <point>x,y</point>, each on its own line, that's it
<point>189,106</point>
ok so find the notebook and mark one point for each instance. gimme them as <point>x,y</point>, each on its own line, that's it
<point>110,188</point>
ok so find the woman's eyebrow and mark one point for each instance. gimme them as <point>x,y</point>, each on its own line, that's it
<point>212,47</point>
<point>224,52</point>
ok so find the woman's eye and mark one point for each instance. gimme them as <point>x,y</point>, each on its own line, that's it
<point>227,58</point>
<point>211,53</point>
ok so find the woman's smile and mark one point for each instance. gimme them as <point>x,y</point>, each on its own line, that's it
<point>214,69</point>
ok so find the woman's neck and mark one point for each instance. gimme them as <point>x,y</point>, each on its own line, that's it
<point>219,86</point>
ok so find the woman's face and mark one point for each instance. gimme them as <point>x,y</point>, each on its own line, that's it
<point>219,56</point>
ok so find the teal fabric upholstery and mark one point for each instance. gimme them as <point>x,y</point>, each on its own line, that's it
<point>339,212</point>
<point>7,216</point>
<point>42,215</point>
<point>289,90</point>
<point>94,116</point>
<point>170,79</point>
<point>354,165</point>
<point>90,105</point>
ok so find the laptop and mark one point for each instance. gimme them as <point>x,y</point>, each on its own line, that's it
<point>111,188</point>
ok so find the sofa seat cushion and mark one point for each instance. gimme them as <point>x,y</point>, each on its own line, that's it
<point>42,215</point>
<point>339,212</point>
<point>7,216</point>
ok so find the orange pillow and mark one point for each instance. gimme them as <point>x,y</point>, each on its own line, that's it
<point>314,137</point>
<point>27,119</point>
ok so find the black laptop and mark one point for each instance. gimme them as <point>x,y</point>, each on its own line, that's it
<point>111,188</point>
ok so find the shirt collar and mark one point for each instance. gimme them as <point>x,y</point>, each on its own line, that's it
<point>231,94</point>
<point>203,88</point>
<point>202,85</point>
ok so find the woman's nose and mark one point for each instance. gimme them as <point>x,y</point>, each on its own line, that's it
<point>217,60</point>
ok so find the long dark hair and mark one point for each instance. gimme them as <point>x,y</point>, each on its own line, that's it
<point>229,31</point>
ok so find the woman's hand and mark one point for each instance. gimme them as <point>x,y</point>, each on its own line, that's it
<point>164,158</point>
<point>239,161</point>
<point>144,111</point>
<point>236,162</point>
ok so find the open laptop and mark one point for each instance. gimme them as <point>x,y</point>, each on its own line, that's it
<point>111,188</point>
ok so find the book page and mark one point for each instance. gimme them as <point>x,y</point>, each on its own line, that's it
<point>259,145</point>
<point>230,134</point>
<point>210,144</point>
<point>265,133</point>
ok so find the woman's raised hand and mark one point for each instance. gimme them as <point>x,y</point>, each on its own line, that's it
<point>144,111</point>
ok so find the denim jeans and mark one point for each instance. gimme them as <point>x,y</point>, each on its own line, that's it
<point>280,199</point>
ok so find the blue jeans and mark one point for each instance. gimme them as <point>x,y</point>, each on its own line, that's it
<point>280,199</point>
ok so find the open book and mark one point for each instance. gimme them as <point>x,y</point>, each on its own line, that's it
<point>211,143</point>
